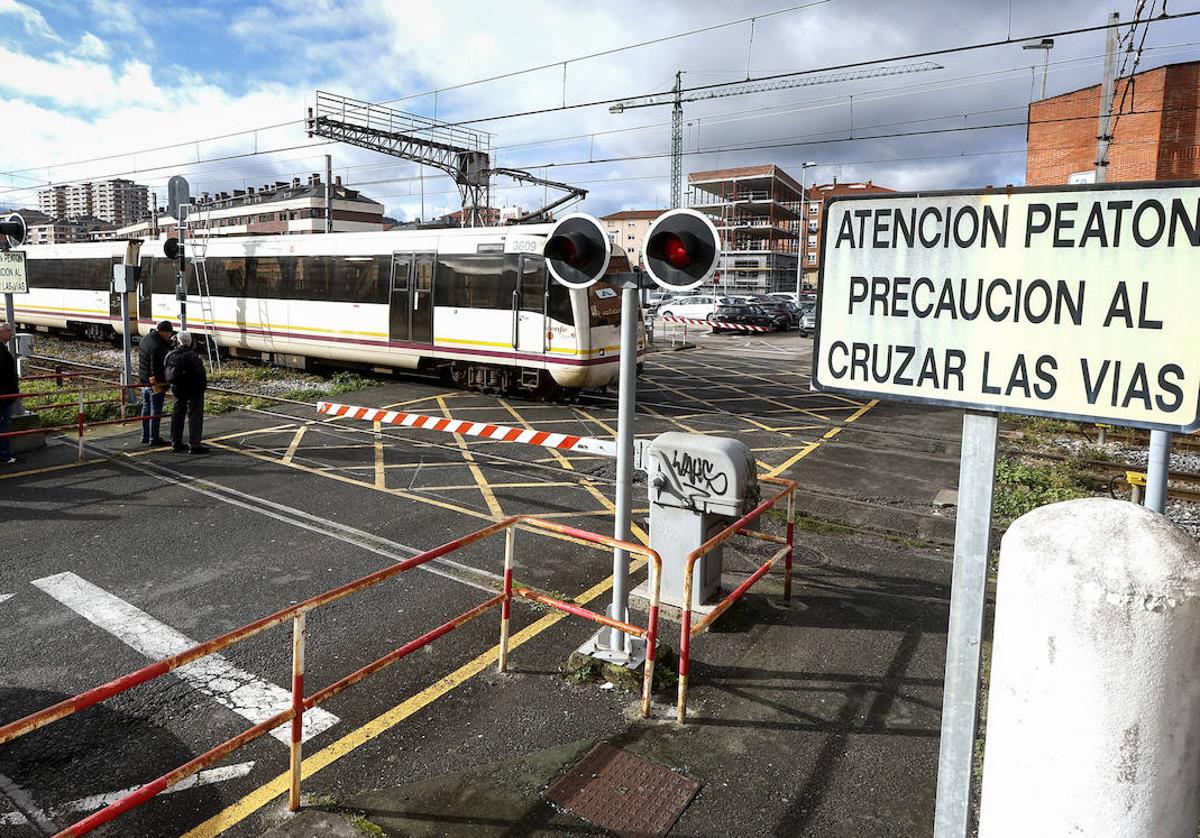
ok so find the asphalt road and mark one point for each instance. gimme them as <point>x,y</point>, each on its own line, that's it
<point>123,560</point>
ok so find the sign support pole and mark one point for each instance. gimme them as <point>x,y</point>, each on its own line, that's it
<point>1157,466</point>
<point>10,311</point>
<point>968,598</point>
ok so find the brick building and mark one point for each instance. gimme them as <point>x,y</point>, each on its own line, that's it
<point>1155,137</point>
<point>810,247</point>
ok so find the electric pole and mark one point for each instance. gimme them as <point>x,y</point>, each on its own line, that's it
<point>677,144</point>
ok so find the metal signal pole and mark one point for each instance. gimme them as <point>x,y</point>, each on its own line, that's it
<point>328,194</point>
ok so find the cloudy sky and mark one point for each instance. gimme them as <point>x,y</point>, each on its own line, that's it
<point>96,88</point>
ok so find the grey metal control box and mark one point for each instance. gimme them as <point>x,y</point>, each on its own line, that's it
<point>697,486</point>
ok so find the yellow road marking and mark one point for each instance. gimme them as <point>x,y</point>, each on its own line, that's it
<point>862,410</point>
<point>792,460</point>
<point>475,486</point>
<point>639,533</point>
<point>608,429</point>
<point>47,469</point>
<point>380,470</point>
<point>264,794</point>
<point>555,453</point>
<point>294,444</point>
<point>489,497</point>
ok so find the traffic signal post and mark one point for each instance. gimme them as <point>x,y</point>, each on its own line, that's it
<point>680,252</point>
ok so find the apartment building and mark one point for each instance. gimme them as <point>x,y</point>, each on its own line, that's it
<point>117,201</point>
<point>627,230</point>
<point>810,247</point>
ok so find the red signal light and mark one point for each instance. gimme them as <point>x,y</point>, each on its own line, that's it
<point>675,252</point>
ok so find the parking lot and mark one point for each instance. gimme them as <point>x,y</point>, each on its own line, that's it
<point>138,554</point>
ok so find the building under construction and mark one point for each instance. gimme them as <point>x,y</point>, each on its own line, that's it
<point>758,212</point>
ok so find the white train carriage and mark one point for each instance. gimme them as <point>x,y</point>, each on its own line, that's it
<point>474,304</point>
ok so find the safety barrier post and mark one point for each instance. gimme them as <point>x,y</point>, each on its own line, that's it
<point>298,631</point>
<point>510,536</point>
<point>79,420</point>
<point>791,543</point>
<point>651,640</point>
<point>58,382</point>
<point>685,646</point>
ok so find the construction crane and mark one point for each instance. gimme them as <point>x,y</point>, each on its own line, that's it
<point>677,97</point>
<point>463,153</point>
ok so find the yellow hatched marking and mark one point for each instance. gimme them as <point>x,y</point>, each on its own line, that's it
<point>489,497</point>
<point>295,443</point>
<point>608,429</point>
<point>555,454</point>
<point>639,533</point>
<point>48,469</point>
<point>380,468</point>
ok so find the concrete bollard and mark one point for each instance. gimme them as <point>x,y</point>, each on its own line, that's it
<point>1093,725</point>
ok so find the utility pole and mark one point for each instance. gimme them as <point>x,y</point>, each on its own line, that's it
<point>328,193</point>
<point>800,251</point>
<point>677,144</point>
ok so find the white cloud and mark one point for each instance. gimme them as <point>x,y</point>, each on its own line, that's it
<point>31,19</point>
<point>92,47</point>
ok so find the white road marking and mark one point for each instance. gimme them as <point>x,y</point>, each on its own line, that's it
<point>27,809</point>
<point>245,694</point>
<point>4,597</point>
<point>98,801</point>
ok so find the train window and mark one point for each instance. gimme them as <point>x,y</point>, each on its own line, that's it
<point>356,279</point>
<point>311,279</point>
<point>604,304</point>
<point>471,282</point>
<point>533,284</point>
<point>558,304</point>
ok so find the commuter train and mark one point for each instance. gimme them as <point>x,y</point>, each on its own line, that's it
<point>475,305</point>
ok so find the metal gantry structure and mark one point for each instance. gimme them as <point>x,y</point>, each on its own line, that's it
<point>678,96</point>
<point>465,154</point>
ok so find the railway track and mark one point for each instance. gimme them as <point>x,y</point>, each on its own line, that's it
<point>1112,472</point>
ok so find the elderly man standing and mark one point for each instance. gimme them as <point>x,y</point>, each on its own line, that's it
<point>152,352</point>
<point>9,383</point>
<point>188,379</point>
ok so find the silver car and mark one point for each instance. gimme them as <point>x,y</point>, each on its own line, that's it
<point>808,320</point>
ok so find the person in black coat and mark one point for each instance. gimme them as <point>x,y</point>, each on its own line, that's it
<point>9,383</point>
<point>185,371</point>
<point>152,353</point>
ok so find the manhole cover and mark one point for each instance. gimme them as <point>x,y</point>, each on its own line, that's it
<point>623,793</point>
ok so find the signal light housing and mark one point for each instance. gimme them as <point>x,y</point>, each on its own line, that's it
<point>577,250</point>
<point>172,249</point>
<point>681,249</point>
<point>13,229</point>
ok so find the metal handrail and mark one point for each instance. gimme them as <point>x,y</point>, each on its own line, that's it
<point>738,527</point>
<point>297,614</point>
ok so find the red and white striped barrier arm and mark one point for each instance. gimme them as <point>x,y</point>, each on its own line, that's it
<point>500,433</point>
<point>716,324</point>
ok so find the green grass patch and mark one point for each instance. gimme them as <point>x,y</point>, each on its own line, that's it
<point>1037,430</point>
<point>367,827</point>
<point>1022,486</point>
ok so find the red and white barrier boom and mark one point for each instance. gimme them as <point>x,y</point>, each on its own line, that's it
<point>486,430</point>
<point>716,324</point>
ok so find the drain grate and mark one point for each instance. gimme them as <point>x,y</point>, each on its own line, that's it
<point>623,793</point>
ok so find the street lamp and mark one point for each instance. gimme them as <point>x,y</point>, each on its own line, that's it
<point>1045,45</point>
<point>804,167</point>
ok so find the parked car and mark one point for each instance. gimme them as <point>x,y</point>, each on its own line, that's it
<point>748,315</point>
<point>697,306</point>
<point>655,299</point>
<point>786,295</point>
<point>786,308</point>
<point>808,320</point>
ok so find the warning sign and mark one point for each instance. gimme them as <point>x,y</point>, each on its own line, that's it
<point>1077,302</point>
<point>12,272</point>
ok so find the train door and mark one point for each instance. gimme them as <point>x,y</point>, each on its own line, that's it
<point>399,307</point>
<point>529,305</point>
<point>145,288</point>
<point>421,324</point>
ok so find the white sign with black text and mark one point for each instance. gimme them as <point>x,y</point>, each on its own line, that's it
<point>12,272</point>
<point>1076,302</point>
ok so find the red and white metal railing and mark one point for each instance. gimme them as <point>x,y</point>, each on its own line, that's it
<point>739,527</point>
<point>300,703</point>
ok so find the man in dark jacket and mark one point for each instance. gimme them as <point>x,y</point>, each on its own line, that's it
<point>8,385</point>
<point>185,372</point>
<point>152,352</point>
